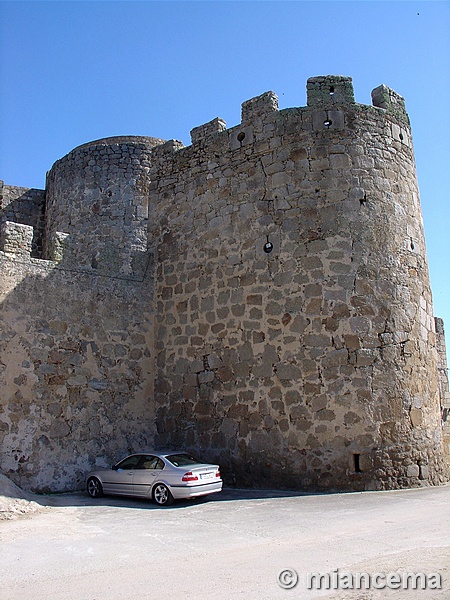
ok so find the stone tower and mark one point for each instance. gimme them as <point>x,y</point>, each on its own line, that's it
<point>260,297</point>
<point>313,365</point>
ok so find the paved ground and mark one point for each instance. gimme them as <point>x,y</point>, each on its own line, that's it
<point>232,546</point>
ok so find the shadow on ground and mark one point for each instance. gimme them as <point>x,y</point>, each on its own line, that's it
<point>15,502</point>
<point>226,495</point>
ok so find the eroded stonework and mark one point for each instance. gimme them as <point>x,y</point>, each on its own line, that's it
<point>160,318</point>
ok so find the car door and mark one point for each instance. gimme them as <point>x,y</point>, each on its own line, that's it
<point>145,474</point>
<point>120,478</point>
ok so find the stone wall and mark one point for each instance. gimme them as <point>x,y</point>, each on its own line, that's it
<point>260,297</point>
<point>76,366</point>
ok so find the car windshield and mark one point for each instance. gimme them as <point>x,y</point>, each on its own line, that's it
<point>182,460</point>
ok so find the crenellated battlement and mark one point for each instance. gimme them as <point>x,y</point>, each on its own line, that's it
<point>327,99</point>
<point>97,196</point>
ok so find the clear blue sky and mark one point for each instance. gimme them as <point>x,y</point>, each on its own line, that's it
<point>71,72</point>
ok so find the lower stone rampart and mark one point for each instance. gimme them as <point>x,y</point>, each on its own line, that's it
<point>76,367</point>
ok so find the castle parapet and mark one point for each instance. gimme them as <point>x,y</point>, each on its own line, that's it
<point>16,238</point>
<point>213,127</point>
<point>393,103</point>
<point>259,107</point>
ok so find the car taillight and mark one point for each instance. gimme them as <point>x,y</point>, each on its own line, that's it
<point>217,473</point>
<point>189,476</point>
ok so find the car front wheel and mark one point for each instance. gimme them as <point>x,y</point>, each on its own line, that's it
<point>162,495</point>
<point>94,488</point>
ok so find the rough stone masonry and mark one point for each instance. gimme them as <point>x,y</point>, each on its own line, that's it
<point>260,297</point>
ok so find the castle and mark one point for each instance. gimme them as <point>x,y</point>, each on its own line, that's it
<point>260,297</point>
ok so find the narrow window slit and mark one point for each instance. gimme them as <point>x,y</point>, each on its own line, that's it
<point>356,461</point>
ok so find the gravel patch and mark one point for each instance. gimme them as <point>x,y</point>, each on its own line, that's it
<point>15,502</point>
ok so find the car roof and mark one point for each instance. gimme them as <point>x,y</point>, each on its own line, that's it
<point>160,453</point>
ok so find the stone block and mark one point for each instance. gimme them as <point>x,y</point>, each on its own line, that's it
<point>328,120</point>
<point>365,357</point>
<point>206,377</point>
<point>288,371</point>
<point>59,429</point>
<point>416,415</point>
<point>319,402</point>
<point>336,358</point>
<point>340,161</point>
<point>424,472</point>
<point>412,471</point>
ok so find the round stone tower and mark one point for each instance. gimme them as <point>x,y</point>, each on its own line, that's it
<point>295,336</point>
<point>97,205</point>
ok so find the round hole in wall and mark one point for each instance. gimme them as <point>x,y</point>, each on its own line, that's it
<point>268,247</point>
<point>241,136</point>
<point>401,136</point>
<point>331,90</point>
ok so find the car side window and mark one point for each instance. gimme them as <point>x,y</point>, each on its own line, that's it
<point>129,463</point>
<point>150,462</point>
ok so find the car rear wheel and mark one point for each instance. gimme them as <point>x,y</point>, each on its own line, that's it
<point>94,488</point>
<point>162,495</point>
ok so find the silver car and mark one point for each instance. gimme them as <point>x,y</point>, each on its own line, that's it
<point>160,476</point>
